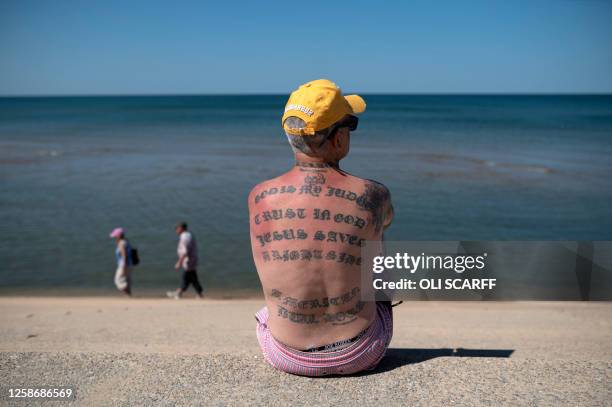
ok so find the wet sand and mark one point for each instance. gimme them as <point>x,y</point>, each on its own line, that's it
<point>118,351</point>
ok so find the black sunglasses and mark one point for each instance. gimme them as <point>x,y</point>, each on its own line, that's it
<point>348,121</point>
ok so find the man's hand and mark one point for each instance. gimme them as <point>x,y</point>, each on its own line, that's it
<point>180,261</point>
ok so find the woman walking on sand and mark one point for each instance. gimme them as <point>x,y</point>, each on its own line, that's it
<point>123,253</point>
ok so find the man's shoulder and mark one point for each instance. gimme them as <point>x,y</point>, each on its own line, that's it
<point>378,186</point>
<point>372,194</point>
<point>369,184</point>
<point>256,190</point>
<point>263,186</point>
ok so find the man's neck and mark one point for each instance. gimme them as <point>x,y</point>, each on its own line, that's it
<point>304,161</point>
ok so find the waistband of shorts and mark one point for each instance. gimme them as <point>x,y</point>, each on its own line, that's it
<point>262,317</point>
<point>337,345</point>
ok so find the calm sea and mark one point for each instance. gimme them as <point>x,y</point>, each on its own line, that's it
<point>459,167</point>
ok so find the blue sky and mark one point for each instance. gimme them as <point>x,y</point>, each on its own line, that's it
<point>149,47</point>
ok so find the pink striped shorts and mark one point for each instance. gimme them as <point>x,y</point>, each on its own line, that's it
<point>362,354</point>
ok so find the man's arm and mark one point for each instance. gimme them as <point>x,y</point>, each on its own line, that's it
<point>123,253</point>
<point>180,261</point>
<point>377,200</point>
<point>182,253</point>
<point>389,213</point>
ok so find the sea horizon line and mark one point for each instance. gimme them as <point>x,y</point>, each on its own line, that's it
<point>230,94</point>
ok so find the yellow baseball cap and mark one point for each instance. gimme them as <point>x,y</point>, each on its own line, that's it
<point>320,104</point>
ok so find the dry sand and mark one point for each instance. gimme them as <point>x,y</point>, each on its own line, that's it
<point>163,352</point>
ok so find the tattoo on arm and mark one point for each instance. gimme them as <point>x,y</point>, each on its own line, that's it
<point>374,200</point>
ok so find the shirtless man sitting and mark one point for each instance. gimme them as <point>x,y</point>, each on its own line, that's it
<point>307,226</point>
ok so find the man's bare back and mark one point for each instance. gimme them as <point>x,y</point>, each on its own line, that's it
<point>306,227</point>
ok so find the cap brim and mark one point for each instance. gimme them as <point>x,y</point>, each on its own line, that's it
<point>356,102</point>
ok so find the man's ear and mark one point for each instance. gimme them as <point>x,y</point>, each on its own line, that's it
<point>338,139</point>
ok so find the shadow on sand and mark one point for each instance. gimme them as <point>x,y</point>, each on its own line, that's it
<point>397,357</point>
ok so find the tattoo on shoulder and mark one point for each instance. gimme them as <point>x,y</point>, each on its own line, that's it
<point>283,189</point>
<point>374,200</point>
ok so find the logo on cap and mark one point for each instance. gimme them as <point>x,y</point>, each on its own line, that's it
<point>300,108</point>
